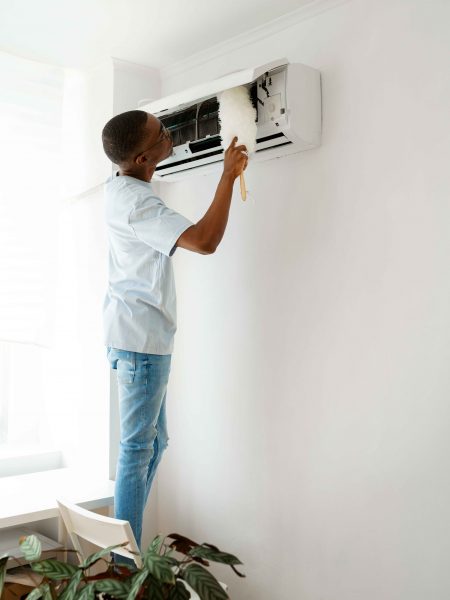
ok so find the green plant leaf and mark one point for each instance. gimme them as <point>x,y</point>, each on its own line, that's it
<point>36,593</point>
<point>136,583</point>
<point>31,547</point>
<point>41,591</point>
<point>87,592</point>
<point>179,592</point>
<point>3,562</point>
<point>90,560</point>
<point>204,583</point>
<point>54,569</point>
<point>71,587</point>
<point>215,555</point>
<point>155,590</point>
<point>155,546</point>
<point>47,592</point>
<point>160,567</point>
<point>114,587</point>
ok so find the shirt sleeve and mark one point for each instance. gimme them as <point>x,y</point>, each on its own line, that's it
<point>157,225</point>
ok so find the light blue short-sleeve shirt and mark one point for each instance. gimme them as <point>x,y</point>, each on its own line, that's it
<point>139,309</point>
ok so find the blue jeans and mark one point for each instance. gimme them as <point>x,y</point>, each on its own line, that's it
<point>142,383</point>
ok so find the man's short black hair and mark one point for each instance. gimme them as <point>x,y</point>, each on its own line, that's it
<point>123,134</point>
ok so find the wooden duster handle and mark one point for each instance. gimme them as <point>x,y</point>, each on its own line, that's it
<point>243,190</point>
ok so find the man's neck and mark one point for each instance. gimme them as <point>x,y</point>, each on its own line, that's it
<point>144,175</point>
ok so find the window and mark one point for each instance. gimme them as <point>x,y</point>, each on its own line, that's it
<point>31,97</point>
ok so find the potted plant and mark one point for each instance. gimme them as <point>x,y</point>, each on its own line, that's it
<point>160,578</point>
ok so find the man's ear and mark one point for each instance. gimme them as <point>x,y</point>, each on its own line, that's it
<point>142,158</point>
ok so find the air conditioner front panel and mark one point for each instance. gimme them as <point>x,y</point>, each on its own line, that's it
<point>209,89</point>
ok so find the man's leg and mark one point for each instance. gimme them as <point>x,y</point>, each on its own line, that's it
<point>142,382</point>
<point>159,445</point>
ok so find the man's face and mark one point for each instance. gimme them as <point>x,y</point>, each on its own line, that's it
<point>158,144</point>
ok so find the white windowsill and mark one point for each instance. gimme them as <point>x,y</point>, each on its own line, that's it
<point>19,459</point>
<point>32,497</point>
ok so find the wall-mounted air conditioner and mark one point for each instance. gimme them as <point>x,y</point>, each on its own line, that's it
<point>287,98</point>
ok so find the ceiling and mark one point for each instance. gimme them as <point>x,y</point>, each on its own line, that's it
<point>148,32</point>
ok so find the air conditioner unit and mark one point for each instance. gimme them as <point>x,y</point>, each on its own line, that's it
<point>287,98</point>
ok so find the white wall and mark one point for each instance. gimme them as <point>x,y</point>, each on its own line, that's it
<point>88,103</point>
<point>308,401</point>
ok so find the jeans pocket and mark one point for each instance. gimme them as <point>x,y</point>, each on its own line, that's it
<point>126,368</point>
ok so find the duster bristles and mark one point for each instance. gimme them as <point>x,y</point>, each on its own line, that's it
<point>237,118</point>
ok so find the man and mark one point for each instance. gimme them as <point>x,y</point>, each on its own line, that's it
<point>140,305</point>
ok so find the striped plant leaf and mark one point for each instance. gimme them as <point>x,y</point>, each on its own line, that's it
<point>70,590</point>
<point>114,587</point>
<point>42,591</point>
<point>155,546</point>
<point>3,562</point>
<point>86,593</point>
<point>136,583</point>
<point>54,569</point>
<point>204,583</point>
<point>160,567</point>
<point>155,589</point>
<point>179,592</point>
<point>215,555</point>
<point>31,547</point>
<point>36,593</point>
<point>90,560</point>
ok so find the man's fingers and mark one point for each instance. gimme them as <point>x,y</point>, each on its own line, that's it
<point>233,144</point>
<point>237,155</point>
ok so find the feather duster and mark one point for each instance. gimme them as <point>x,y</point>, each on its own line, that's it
<point>237,118</point>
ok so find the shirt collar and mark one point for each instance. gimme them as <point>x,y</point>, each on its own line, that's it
<point>116,177</point>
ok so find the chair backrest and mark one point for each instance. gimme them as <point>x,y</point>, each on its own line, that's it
<point>99,530</point>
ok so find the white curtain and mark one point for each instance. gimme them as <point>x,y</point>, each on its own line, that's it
<point>31,96</point>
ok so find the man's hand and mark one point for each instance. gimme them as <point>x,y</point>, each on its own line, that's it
<point>236,159</point>
<point>206,235</point>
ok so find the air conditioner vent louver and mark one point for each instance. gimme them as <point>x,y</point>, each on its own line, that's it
<point>206,144</point>
<point>188,160</point>
<point>274,136</point>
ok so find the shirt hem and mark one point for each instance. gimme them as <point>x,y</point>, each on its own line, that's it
<point>142,350</point>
